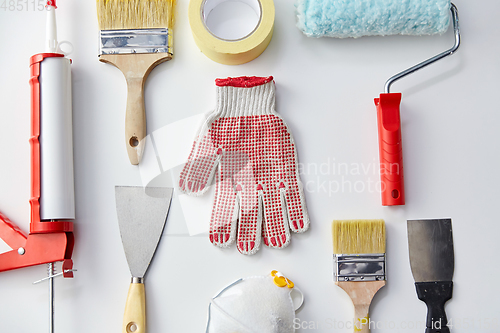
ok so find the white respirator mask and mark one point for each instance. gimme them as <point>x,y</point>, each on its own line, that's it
<point>257,304</point>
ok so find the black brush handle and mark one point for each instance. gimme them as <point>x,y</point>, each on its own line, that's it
<point>435,295</point>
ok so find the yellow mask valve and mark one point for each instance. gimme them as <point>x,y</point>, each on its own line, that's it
<point>280,280</point>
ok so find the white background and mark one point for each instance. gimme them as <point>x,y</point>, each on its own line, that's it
<point>325,90</point>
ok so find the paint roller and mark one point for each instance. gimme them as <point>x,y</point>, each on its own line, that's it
<point>356,18</point>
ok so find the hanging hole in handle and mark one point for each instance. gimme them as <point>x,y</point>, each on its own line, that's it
<point>134,142</point>
<point>132,327</point>
<point>62,50</point>
<point>395,194</point>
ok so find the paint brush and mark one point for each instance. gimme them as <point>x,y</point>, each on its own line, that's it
<point>135,36</point>
<point>359,264</point>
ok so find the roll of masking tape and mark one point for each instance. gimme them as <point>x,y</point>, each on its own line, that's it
<point>231,51</point>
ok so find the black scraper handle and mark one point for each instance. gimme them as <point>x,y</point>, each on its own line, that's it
<point>435,295</point>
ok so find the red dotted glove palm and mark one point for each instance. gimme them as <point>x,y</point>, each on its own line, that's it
<point>247,146</point>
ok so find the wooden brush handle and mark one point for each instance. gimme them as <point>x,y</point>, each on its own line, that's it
<point>435,295</point>
<point>134,319</point>
<point>361,294</point>
<point>136,68</point>
<point>135,119</point>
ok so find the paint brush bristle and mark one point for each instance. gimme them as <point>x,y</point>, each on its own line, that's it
<point>358,236</point>
<point>135,14</point>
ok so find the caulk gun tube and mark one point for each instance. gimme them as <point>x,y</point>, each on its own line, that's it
<point>390,149</point>
<point>57,195</point>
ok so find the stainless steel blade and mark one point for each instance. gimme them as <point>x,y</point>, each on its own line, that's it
<point>430,244</point>
<point>142,213</point>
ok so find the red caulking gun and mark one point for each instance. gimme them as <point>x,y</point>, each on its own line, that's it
<point>50,239</point>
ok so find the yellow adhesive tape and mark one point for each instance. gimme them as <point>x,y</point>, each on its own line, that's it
<point>231,52</point>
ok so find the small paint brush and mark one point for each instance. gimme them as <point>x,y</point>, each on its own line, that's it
<point>359,259</point>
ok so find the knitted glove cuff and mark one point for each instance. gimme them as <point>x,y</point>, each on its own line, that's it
<point>245,96</point>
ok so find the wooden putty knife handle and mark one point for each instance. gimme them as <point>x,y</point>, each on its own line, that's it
<point>134,319</point>
<point>435,295</point>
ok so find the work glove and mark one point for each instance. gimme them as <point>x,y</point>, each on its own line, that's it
<point>249,149</point>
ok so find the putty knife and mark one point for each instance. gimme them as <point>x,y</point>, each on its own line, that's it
<point>430,244</point>
<point>142,213</point>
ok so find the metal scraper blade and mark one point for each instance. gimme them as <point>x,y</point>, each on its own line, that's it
<point>142,213</point>
<point>430,244</point>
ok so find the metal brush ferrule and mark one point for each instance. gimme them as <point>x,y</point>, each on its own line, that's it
<point>157,40</point>
<point>359,267</point>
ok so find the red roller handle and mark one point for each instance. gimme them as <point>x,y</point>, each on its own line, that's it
<point>390,149</point>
